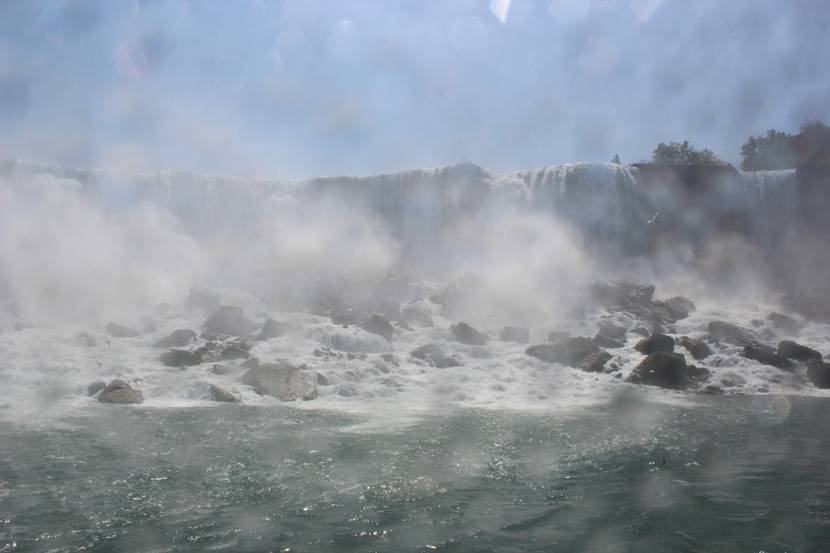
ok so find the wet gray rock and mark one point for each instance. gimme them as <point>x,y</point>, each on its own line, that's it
<point>418,313</point>
<point>655,342</point>
<point>466,334</point>
<point>229,320</point>
<point>766,355</point>
<point>517,334</point>
<point>567,352</point>
<point>434,355</point>
<point>663,369</point>
<point>680,305</point>
<point>276,329</point>
<point>622,294</point>
<point>177,339</point>
<point>697,348</point>
<point>594,362</point>
<point>721,331</point>
<point>120,392</point>
<point>555,336</point>
<point>785,323</point>
<point>282,381</point>
<point>793,350</point>
<point>819,373</point>
<point>605,342</point>
<point>180,358</point>
<point>380,325</point>
<point>611,330</point>
<point>213,352</point>
<point>120,331</point>
<point>95,387</point>
<point>203,298</point>
<point>218,394</point>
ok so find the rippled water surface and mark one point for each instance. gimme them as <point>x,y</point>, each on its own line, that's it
<point>709,474</point>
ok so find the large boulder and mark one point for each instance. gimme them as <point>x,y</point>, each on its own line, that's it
<point>180,358</point>
<point>119,391</point>
<point>819,373</point>
<point>120,331</point>
<point>380,325</point>
<point>666,370</point>
<point>177,339</point>
<point>282,381</point>
<point>567,352</point>
<point>213,352</point>
<point>793,350</point>
<point>655,342</point>
<point>697,348</point>
<point>622,294</point>
<point>466,334</point>
<point>229,320</point>
<point>218,394</point>
<point>434,355</point>
<point>785,323</point>
<point>95,387</point>
<point>721,331</point>
<point>594,362</point>
<point>766,355</point>
<point>418,313</point>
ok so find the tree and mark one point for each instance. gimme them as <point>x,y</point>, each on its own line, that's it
<point>776,150</point>
<point>812,144</point>
<point>676,153</point>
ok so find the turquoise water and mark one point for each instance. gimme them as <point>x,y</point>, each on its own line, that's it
<point>741,473</point>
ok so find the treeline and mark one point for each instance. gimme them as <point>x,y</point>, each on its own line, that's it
<point>810,148</point>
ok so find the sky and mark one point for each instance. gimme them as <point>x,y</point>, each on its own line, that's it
<point>299,88</point>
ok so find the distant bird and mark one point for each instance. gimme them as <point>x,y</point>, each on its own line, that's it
<point>99,364</point>
<point>107,342</point>
<point>657,219</point>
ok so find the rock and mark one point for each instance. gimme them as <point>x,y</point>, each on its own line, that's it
<point>663,369</point>
<point>642,331</point>
<point>466,334</point>
<point>792,350</point>
<point>655,342</point>
<point>680,305</point>
<point>203,298</point>
<point>223,370</point>
<point>819,373</point>
<point>282,381</point>
<point>515,334</point>
<point>622,294</point>
<point>661,313</point>
<point>434,355</point>
<point>380,325</point>
<point>611,330</point>
<point>119,391</point>
<point>594,362</point>
<point>568,352</point>
<point>213,352</point>
<point>712,390</point>
<point>229,320</point>
<point>697,348</point>
<point>785,323</point>
<point>605,342</point>
<point>147,324</point>
<point>95,387</point>
<point>218,394</point>
<point>555,336</point>
<point>119,331</point>
<point>85,340</point>
<point>697,374</point>
<point>418,313</point>
<point>179,338</point>
<point>276,329</point>
<point>766,355</point>
<point>180,358</point>
<point>721,331</point>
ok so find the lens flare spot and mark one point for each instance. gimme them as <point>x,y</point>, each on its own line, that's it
<point>128,60</point>
<point>501,9</point>
<point>645,9</point>
<point>771,410</point>
<point>569,12</point>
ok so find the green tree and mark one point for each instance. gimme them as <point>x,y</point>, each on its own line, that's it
<point>776,150</point>
<point>812,144</point>
<point>677,153</point>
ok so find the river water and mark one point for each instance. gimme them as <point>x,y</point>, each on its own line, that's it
<point>659,472</point>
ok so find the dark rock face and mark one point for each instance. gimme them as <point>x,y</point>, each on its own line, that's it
<point>611,330</point>
<point>785,323</point>
<point>466,334</point>
<point>680,305</point>
<point>721,331</point>
<point>697,348</point>
<point>819,373</point>
<point>622,294</point>
<point>434,355</point>
<point>213,352</point>
<point>667,370</point>
<point>180,358</point>
<point>606,342</point>
<point>515,334</point>
<point>119,391</point>
<point>229,320</point>
<point>95,387</point>
<point>218,394</point>
<point>380,325</point>
<point>282,381</point>
<point>697,374</point>
<point>568,352</point>
<point>177,339</point>
<point>203,298</point>
<point>119,331</point>
<point>594,362</point>
<point>792,350</point>
<point>655,342</point>
<point>766,355</point>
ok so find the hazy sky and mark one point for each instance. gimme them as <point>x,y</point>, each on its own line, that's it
<point>294,88</point>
